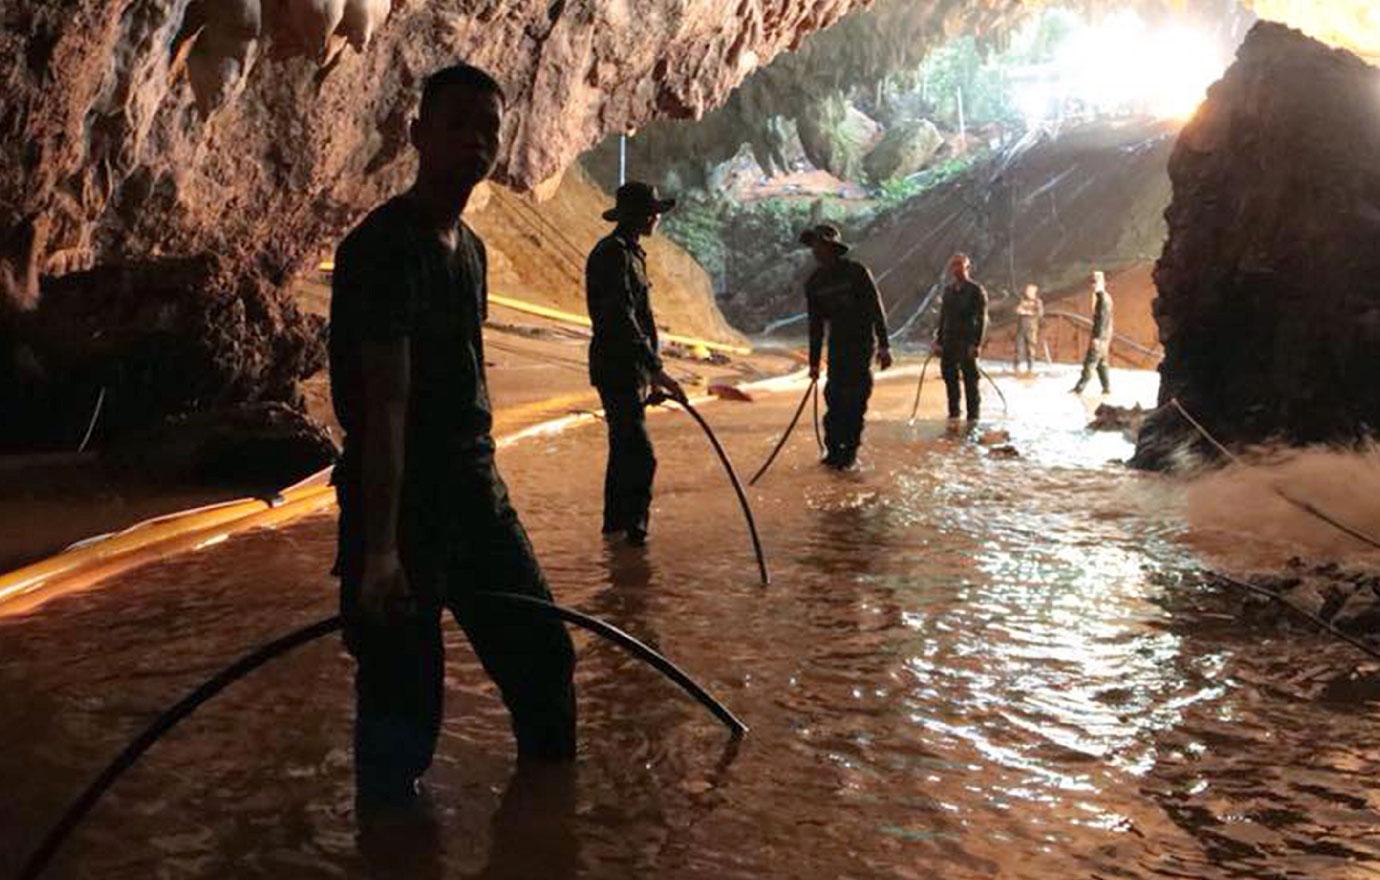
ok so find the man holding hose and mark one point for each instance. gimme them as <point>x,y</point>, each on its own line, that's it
<point>425,520</point>
<point>624,357</point>
<point>840,296</point>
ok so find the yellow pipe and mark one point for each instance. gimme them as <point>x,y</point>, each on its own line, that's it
<point>583,321</point>
<point>193,533</point>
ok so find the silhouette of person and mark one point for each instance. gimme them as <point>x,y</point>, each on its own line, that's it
<point>961,335</point>
<point>1100,344</point>
<point>1029,311</point>
<point>624,360</point>
<point>841,296</point>
<point>425,519</point>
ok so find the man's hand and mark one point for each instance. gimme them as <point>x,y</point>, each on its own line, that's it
<point>884,358</point>
<point>814,372</point>
<point>662,380</point>
<point>383,592</point>
<point>936,348</point>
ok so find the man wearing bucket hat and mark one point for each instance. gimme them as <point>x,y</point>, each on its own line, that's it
<point>841,295</point>
<point>624,362</point>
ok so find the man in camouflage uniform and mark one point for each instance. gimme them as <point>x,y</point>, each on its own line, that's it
<point>1100,345</point>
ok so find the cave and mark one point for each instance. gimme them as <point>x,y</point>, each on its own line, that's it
<point>1077,634</point>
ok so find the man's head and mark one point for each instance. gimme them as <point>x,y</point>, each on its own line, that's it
<point>1032,291</point>
<point>456,131</point>
<point>1099,281</point>
<point>960,267</point>
<point>637,208</point>
<point>825,241</point>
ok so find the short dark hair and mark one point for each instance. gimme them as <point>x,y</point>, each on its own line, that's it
<point>458,75</point>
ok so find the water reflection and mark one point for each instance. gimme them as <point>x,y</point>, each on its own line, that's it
<point>967,666</point>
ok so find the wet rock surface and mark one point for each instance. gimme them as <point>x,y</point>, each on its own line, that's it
<point>268,445</point>
<point>147,340</point>
<point>1345,597</point>
<point>252,133</point>
<point>1269,304</point>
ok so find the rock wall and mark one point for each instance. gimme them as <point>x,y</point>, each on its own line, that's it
<point>239,136</point>
<point>1047,210</point>
<point>1269,283</point>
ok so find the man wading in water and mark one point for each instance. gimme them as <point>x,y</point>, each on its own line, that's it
<point>962,332</point>
<point>425,520</point>
<point>1100,344</point>
<point>841,295</point>
<point>624,362</point>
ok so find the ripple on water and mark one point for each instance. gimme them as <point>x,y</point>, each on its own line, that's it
<point>966,666</point>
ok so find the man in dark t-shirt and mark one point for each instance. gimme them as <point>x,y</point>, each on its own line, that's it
<point>425,520</point>
<point>840,296</point>
<point>961,335</point>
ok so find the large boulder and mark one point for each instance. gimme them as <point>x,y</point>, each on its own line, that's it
<point>907,148</point>
<point>1269,284</point>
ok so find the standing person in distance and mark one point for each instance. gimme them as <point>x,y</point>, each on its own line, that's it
<point>1029,312</point>
<point>961,335</point>
<point>1100,344</point>
<point>841,296</point>
<point>624,358</point>
<point>425,519</point>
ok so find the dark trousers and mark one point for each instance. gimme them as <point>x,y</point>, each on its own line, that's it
<point>950,367</point>
<point>631,462</point>
<point>846,400</point>
<point>1096,358</point>
<point>475,544</point>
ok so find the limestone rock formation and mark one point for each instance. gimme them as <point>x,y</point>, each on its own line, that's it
<point>247,135</point>
<point>906,148</point>
<point>1269,284</point>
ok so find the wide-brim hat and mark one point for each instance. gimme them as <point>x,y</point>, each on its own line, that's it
<point>637,199</point>
<point>827,233</point>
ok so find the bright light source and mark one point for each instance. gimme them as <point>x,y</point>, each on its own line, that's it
<point>1351,24</point>
<point>1121,65</point>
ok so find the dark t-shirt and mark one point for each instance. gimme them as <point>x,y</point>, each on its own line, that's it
<point>844,297</point>
<point>394,279</point>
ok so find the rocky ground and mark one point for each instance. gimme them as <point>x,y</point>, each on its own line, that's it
<point>1348,598</point>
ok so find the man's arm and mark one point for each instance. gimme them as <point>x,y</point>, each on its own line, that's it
<point>816,321</point>
<point>877,318</point>
<point>980,319</point>
<point>386,379</point>
<point>1099,327</point>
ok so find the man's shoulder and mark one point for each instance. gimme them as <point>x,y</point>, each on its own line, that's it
<point>975,289</point>
<point>383,229</point>
<point>609,248</point>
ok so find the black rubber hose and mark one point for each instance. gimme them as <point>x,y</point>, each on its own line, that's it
<point>819,437</point>
<point>736,727</point>
<point>242,667</point>
<point>732,478</point>
<point>155,731</point>
<point>995,387</point>
<point>920,386</point>
<point>780,444</point>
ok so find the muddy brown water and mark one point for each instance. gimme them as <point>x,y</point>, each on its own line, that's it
<point>966,666</point>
